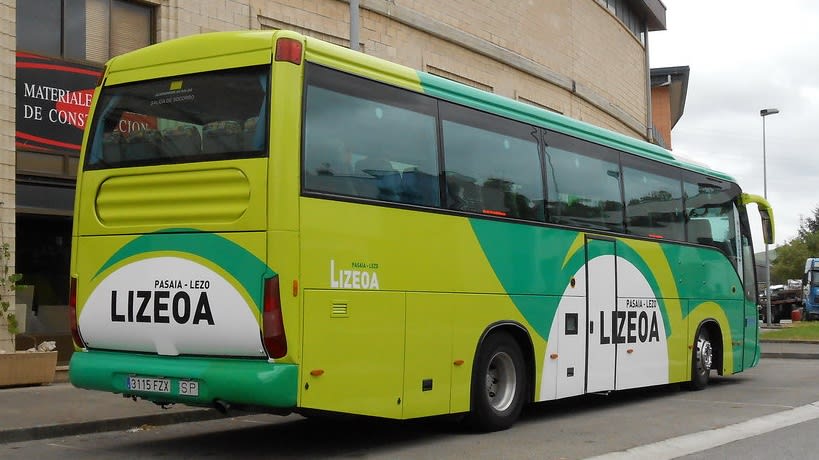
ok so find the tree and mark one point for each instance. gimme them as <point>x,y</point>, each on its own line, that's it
<point>809,225</point>
<point>790,257</point>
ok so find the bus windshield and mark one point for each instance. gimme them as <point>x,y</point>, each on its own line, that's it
<point>198,117</point>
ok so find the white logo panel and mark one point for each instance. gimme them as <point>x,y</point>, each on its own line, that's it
<point>170,306</point>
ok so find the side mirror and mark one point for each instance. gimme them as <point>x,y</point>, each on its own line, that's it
<point>765,213</point>
<point>767,225</point>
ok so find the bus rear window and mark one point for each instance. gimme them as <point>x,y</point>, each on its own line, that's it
<point>198,117</point>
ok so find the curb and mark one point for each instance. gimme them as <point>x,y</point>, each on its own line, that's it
<point>72,429</point>
<point>786,355</point>
<point>788,341</point>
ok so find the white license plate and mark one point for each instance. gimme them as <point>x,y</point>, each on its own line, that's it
<point>151,384</point>
<point>159,385</point>
<point>188,388</point>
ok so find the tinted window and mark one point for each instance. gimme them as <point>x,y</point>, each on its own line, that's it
<point>369,140</point>
<point>583,184</point>
<point>492,164</point>
<point>710,213</point>
<point>653,197</point>
<point>208,116</point>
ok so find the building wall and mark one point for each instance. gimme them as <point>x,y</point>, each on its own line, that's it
<point>571,56</point>
<point>661,109</point>
<point>7,158</point>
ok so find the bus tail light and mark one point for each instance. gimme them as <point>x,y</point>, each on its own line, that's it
<point>72,314</point>
<point>288,50</point>
<point>275,343</point>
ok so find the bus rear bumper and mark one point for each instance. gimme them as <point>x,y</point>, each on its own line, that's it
<point>195,381</point>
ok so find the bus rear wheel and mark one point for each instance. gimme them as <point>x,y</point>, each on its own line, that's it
<point>702,361</point>
<point>498,384</point>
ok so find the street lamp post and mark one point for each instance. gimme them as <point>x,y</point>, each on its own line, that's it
<point>764,113</point>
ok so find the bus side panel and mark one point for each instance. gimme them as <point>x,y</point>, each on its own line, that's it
<point>430,369</point>
<point>751,350</point>
<point>353,352</point>
<point>437,261</point>
<point>443,332</point>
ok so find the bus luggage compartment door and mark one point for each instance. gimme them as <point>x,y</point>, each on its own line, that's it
<point>353,352</point>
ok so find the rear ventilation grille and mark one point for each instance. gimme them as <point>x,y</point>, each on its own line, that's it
<point>339,310</point>
<point>191,197</point>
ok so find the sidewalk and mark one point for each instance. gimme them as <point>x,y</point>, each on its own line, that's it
<point>49,411</point>
<point>790,349</point>
<point>60,409</point>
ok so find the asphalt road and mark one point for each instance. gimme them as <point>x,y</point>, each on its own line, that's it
<point>621,425</point>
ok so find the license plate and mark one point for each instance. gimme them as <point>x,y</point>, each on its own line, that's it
<point>188,388</point>
<point>160,385</point>
<point>154,385</point>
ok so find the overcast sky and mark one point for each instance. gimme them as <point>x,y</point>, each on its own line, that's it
<point>746,56</point>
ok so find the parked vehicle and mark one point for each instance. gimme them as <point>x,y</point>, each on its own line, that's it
<point>810,291</point>
<point>785,298</point>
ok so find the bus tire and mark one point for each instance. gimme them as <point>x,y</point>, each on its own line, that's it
<point>701,361</point>
<point>498,384</point>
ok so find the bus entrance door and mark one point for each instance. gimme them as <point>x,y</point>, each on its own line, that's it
<point>601,302</point>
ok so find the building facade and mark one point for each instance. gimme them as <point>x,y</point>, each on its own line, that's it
<point>583,58</point>
<point>669,90</point>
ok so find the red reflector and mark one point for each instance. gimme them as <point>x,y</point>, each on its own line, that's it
<point>288,50</point>
<point>72,314</point>
<point>492,212</point>
<point>654,235</point>
<point>275,342</point>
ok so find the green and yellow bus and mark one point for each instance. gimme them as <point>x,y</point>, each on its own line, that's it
<point>266,221</point>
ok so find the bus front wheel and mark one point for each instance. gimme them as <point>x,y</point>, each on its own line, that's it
<point>702,360</point>
<point>498,384</point>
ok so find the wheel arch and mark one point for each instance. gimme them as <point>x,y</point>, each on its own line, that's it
<point>521,335</point>
<point>714,330</point>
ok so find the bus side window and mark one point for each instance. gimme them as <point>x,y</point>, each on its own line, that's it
<point>699,231</point>
<point>584,184</point>
<point>418,187</point>
<point>463,194</point>
<point>327,168</point>
<point>376,178</point>
<point>492,164</point>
